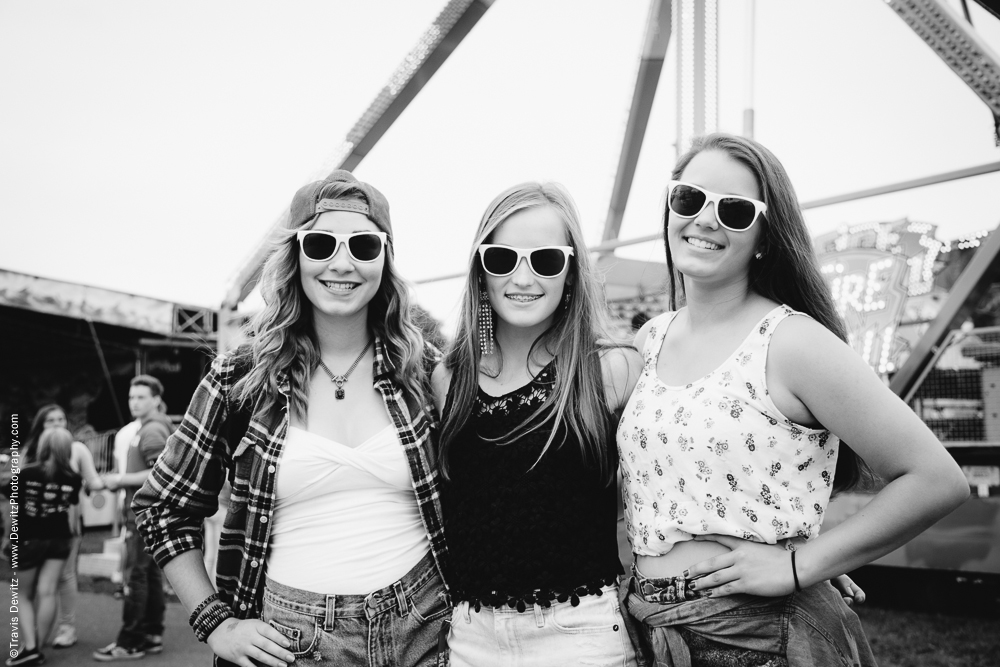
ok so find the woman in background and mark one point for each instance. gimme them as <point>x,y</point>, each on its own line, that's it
<point>46,488</point>
<point>82,462</point>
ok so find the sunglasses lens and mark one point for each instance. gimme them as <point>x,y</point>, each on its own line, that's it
<point>548,262</point>
<point>365,247</point>
<point>686,200</point>
<point>499,261</point>
<point>318,247</point>
<point>735,213</point>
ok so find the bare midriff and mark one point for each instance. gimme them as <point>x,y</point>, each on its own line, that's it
<point>681,557</point>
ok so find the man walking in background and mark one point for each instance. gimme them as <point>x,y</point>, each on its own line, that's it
<point>144,606</point>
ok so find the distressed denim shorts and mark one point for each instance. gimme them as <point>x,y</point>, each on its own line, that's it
<point>591,633</point>
<point>399,625</point>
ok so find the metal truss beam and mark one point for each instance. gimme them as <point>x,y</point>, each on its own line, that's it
<point>444,35</point>
<point>654,51</point>
<point>955,41</point>
<point>982,270</point>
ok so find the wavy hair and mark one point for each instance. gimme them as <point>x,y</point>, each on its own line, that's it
<point>787,271</point>
<point>55,449</point>
<point>37,427</point>
<point>578,335</point>
<point>283,336</point>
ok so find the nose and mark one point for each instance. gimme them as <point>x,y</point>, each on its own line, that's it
<point>522,273</point>
<point>707,218</point>
<point>341,260</point>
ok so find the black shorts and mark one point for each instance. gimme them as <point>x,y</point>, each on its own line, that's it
<point>33,552</point>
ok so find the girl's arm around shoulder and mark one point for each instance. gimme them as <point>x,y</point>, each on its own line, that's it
<point>620,367</point>
<point>847,397</point>
<point>440,383</point>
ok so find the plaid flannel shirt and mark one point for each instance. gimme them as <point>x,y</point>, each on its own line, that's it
<point>183,487</point>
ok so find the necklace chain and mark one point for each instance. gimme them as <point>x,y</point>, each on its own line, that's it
<point>341,380</point>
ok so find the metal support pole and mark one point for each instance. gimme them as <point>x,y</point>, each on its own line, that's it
<point>654,50</point>
<point>107,373</point>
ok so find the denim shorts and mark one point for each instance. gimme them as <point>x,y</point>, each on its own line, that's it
<point>592,633</point>
<point>399,625</point>
<point>35,551</point>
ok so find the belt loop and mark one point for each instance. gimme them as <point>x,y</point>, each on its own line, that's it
<point>331,612</point>
<point>403,609</point>
<point>539,616</point>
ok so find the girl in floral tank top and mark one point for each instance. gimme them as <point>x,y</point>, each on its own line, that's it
<point>719,438</point>
<point>731,444</point>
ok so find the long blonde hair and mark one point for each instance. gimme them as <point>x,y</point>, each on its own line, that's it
<point>283,336</point>
<point>55,451</point>
<point>578,335</point>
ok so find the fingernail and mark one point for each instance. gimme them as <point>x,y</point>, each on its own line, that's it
<point>693,585</point>
<point>686,573</point>
<point>708,594</point>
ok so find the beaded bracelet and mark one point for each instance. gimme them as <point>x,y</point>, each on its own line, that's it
<point>204,603</point>
<point>210,619</point>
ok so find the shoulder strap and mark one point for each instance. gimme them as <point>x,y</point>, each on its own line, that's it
<point>654,339</point>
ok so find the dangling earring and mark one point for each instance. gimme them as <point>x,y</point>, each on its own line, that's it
<point>566,299</point>
<point>759,255</point>
<point>485,322</point>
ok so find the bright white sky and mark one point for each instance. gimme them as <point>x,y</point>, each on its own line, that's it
<point>148,146</point>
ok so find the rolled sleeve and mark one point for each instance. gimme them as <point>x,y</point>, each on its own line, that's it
<point>184,484</point>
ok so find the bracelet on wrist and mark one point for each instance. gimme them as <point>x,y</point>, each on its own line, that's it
<point>204,603</point>
<point>210,619</point>
<point>795,574</point>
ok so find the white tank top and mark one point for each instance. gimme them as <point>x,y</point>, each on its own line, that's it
<point>716,456</point>
<point>345,519</point>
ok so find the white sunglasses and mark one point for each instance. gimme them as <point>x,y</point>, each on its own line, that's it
<point>734,212</point>
<point>545,261</point>
<point>320,246</point>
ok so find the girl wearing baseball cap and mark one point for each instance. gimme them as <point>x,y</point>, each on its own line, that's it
<point>332,547</point>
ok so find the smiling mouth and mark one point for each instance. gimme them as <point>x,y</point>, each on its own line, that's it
<point>523,298</point>
<point>337,286</point>
<point>702,243</point>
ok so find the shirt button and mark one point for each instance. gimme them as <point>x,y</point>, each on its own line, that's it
<point>253,563</point>
<point>263,519</point>
<point>243,606</point>
<point>271,469</point>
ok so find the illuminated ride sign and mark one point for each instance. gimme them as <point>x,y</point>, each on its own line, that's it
<point>869,291</point>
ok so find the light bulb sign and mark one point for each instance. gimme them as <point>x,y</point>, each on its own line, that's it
<point>869,291</point>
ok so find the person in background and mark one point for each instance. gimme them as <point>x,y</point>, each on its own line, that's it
<point>82,462</point>
<point>143,604</point>
<point>47,487</point>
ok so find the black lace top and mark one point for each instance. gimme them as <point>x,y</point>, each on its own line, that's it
<point>517,534</point>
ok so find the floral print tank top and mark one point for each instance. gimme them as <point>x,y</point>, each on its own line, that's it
<point>716,456</point>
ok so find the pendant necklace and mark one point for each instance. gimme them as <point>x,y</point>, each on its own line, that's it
<point>341,380</point>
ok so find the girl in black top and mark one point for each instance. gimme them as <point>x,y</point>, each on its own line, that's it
<point>530,395</point>
<point>45,490</point>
